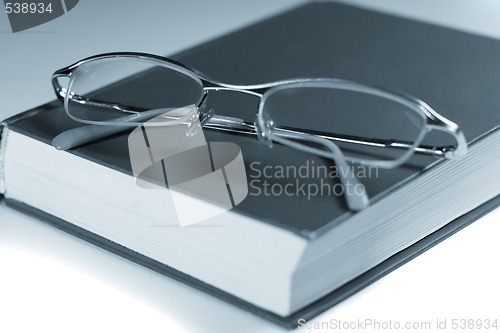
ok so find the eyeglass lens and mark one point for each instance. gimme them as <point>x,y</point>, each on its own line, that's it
<point>346,114</point>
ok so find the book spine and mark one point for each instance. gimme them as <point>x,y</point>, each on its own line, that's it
<point>3,149</point>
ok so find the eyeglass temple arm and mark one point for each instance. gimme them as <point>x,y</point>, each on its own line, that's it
<point>90,133</point>
<point>236,125</point>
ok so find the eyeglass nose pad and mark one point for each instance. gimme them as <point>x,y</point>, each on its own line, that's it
<point>194,126</point>
<point>192,120</point>
<point>264,129</point>
<point>197,120</point>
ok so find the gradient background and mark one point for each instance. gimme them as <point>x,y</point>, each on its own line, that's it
<point>53,282</point>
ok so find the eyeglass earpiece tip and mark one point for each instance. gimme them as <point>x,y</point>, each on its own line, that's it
<point>460,149</point>
<point>357,201</point>
<point>59,143</point>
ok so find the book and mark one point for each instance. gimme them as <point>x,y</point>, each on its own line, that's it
<point>283,257</point>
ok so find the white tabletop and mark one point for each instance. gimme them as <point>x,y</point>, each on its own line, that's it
<point>53,282</point>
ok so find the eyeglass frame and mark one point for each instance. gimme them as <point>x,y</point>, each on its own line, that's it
<point>265,128</point>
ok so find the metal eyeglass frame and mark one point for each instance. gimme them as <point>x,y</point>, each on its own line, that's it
<point>264,127</point>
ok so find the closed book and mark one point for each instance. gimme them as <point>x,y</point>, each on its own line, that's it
<point>283,255</point>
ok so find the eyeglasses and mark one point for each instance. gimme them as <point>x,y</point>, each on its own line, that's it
<point>342,120</point>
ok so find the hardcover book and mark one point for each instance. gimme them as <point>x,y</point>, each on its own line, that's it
<point>289,247</point>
